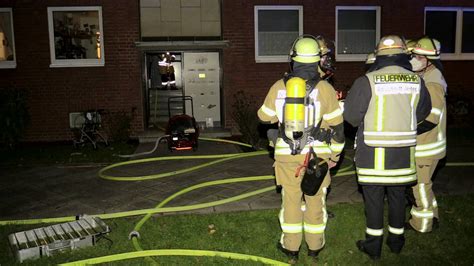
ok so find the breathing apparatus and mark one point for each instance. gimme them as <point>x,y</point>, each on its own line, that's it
<point>298,111</point>
<point>294,112</point>
<point>326,64</point>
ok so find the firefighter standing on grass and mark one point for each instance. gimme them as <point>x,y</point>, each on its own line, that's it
<point>303,96</point>
<point>431,144</point>
<point>386,104</point>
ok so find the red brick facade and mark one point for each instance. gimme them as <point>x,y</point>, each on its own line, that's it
<point>403,17</point>
<point>55,92</point>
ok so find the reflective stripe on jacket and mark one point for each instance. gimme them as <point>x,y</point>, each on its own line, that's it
<point>394,90</point>
<point>432,144</point>
<point>381,175</point>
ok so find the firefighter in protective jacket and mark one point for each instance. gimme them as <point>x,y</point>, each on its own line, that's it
<point>431,143</point>
<point>386,104</point>
<point>326,67</point>
<point>167,70</point>
<point>299,114</point>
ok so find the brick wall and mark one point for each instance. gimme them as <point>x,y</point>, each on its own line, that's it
<point>55,92</point>
<point>402,17</point>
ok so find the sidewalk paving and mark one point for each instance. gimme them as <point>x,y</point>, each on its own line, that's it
<point>64,190</point>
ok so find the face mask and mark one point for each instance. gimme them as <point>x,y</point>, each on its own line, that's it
<point>416,64</point>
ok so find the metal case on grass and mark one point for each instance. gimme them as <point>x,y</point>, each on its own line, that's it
<point>47,241</point>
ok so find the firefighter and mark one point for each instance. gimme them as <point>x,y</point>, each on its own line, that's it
<point>317,102</point>
<point>386,104</point>
<point>326,63</point>
<point>167,70</point>
<point>431,143</point>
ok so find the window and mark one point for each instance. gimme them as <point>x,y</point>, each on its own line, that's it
<point>357,31</point>
<point>454,28</point>
<point>276,27</point>
<point>76,36</point>
<point>7,39</point>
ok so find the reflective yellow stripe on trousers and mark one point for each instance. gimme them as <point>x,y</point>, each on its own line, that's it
<point>287,227</point>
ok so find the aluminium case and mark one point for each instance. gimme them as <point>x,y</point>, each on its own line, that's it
<point>49,240</point>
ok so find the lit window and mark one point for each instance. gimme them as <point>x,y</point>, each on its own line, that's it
<point>76,36</point>
<point>357,32</point>
<point>7,39</point>
<point>276,27</point>
<point>454,28</point>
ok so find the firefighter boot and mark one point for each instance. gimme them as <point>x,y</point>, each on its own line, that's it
<point>313,254</point>
<point>395,242</point>
<point>292,255</point>
<point>367,246</point>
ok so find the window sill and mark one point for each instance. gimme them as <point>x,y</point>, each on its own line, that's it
<point>457,57</point>
<point>271,59</point>
<point>59,65</point>
<point>7,65</point>
<point>351,57</point>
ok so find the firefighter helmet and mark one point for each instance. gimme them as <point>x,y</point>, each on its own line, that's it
<point>370,59</point>
<point>391,45</point>
<point>323,45</point>
<point>429,47</point>
<point>410,45</point>
<point>305,49</point>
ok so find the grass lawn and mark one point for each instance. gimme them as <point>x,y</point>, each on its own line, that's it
<point>63,153</point>
<point>256,233</point>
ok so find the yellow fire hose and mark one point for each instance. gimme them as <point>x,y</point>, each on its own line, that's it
<point>174,252</point>
<point>140,253</point>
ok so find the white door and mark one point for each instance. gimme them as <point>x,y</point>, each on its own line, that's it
<point>201,82</point>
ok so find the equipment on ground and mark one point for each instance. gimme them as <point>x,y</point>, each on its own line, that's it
<point>182,129</point>
<point>49,240</point>
<point>86,129</point>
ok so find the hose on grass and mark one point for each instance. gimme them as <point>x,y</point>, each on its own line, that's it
<point>346,170</point>
<point>173,252</point>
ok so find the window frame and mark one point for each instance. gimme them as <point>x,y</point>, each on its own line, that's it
<point>9,64</point>
<point>458,54</point>
<point>275,58</point>
<point>356,57</point>
<point>74,62</point>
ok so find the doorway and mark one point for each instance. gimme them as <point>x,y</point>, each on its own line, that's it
<point>195,74</point>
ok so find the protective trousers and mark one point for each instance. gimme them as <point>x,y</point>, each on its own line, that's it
<point>426,207</point>
<point>374,205</point>
<point>300,212</point>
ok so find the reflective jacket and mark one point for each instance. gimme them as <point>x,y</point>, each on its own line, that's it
<point>384,165</point>
<point>432,144</point>
<point>395,90</point>
<point>326,108</point>
<point>165,64</point>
